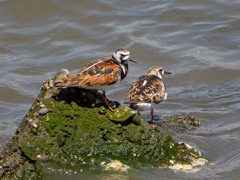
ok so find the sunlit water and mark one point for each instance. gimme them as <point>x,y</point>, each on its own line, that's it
<point>198,41</point>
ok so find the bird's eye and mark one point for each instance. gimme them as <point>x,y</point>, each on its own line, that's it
<point>160,70</point>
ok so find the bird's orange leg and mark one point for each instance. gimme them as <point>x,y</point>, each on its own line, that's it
<point>106,101</point>
<point>139,113</point>
<point>152,114</point>
<point>103,96</point>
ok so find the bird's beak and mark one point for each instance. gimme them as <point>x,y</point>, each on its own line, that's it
<point>166,72</point>
<point>133,60</point>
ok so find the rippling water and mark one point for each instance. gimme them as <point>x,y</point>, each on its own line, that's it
<point>198,41</point>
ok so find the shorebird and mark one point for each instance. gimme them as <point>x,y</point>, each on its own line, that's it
<point>99,74</point>
<point>148,90</point>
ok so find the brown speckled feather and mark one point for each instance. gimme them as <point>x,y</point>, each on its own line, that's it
<point>148,88</point>
<point>101,72</point>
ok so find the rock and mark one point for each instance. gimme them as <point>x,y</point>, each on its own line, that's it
<point>196,161</point>
<point>116,165</point>
<point>41,105</point>
<point>34,123</point>
<point>76,132</point>
<point>186,121</point>
<point>43,111</point>
<point>36,114</point>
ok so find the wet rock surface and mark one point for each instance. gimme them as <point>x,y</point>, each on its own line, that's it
<point>74,131</point>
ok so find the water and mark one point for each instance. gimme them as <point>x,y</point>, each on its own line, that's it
<point>198,41</point>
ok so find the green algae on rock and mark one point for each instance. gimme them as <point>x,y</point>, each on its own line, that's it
<point>196,161</point>
<point>78,134</point>
<point>188,121</point>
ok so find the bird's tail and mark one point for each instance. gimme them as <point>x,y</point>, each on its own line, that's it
<point>133,104</point>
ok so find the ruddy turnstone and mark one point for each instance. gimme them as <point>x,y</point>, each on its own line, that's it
<point>100,73</point>
<point>148,90</point>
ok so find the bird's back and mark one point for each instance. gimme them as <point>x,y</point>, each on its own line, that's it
<point>101,72</point>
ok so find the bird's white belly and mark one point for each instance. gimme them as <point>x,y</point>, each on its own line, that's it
<point>144,106</point>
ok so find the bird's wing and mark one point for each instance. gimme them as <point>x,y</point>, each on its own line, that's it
<point>146,89</point>
<point>97,73</point>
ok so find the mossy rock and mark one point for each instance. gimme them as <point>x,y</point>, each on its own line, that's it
<point>79,133</point>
